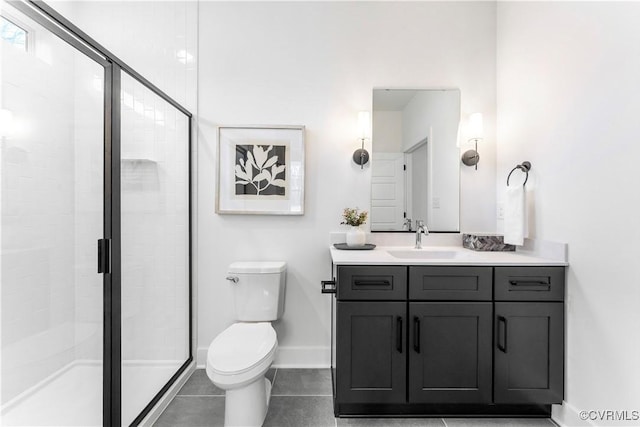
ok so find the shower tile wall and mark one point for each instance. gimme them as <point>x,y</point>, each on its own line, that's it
<point>52,191</point>
<point>41,224</point>
<point>164,52</point>
<point>154,227</point>
<point>158,41</point>
<point>88,145</point>
<point>51,294</point>
<point>154,206</point>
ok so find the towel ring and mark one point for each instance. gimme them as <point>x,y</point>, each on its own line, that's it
<point>524,167</point>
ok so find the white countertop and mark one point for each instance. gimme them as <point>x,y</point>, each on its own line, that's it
<point>381,256</point>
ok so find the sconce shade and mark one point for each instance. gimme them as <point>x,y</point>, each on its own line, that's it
<point>476,129</point>
<point>364,124</point>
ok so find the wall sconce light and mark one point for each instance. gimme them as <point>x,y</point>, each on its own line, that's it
<point>471,157</point>
<point>361,156</point>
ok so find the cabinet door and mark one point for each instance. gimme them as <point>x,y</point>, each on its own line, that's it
<point>450,352</point>
<point>371,352</point>
<point>529,352</point>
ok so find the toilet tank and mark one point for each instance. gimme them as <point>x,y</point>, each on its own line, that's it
<point>259,290</point>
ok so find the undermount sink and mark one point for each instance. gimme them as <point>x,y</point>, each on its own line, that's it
<point>425,254</point>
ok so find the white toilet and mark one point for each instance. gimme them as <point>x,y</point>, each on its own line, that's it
<point>240,356</point>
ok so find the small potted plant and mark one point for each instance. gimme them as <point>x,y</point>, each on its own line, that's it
<point>355,235</point>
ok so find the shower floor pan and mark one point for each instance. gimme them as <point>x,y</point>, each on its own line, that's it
<point>69,397</point>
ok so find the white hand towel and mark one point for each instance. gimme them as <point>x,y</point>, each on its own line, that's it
<point>515,215</point>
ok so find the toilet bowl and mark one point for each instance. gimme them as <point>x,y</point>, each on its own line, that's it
<point>237,362</point>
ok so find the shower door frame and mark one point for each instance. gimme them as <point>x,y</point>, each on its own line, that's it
<point>46,16</point>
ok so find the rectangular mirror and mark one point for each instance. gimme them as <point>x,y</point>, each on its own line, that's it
<point>415,159</point>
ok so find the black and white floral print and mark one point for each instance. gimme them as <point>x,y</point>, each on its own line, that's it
<point>260,170</point>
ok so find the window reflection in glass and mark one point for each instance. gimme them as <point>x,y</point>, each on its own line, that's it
<point>13,34</point>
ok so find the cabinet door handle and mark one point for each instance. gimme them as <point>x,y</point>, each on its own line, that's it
<point>416,334</point>
<point>531,285</point>
<point>399,334</point>
<point>372,283</point>
<point>502,336</point>
<point>328,286</point>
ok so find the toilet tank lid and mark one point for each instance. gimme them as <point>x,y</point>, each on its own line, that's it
<point>258,267</point>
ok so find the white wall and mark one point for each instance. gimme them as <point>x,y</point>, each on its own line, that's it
<point>315,64</point>
<point>435,115</point>
<point>568,98</point>
<point>418,205</point>
<point>387,131</point>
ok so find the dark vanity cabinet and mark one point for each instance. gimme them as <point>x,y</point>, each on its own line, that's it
<point>448,340</point>
<point>450,311</point>
<point>529,335</point>
<point>371,324</point>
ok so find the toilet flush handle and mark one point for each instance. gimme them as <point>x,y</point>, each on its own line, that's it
<point>234,279</point>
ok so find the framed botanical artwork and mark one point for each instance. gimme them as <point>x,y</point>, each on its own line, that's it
<point>260,170</point>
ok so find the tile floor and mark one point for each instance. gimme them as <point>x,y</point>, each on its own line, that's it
<point>300,398</point>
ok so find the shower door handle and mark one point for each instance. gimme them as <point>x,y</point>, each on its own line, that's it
<point>104,256</point>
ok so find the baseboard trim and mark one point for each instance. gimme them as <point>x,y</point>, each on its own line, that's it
<point>295,357</point>
<point>303,357</point>
<point>201,357</point>
<point>567,415</point>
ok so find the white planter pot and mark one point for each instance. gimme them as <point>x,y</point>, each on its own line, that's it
<point>356,237</point>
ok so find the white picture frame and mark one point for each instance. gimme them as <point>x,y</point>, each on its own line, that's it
<point>260,170</point>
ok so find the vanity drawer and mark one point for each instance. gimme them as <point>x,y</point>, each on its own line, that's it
<point>529,284</point>
<point>378,282</point>
<point>432,283</point>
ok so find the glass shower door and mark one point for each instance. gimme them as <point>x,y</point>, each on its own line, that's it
<point>154,176</point>
<point>52,171</point>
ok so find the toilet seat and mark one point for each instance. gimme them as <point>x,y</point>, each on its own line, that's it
<point>242,347</point>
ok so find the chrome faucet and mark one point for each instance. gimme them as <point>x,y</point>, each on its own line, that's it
<point>420,228</point>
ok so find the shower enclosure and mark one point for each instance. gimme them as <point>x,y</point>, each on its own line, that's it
<point>95,290</point>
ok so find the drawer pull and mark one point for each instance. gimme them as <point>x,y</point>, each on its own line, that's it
<point>399,334</point>
<point>328,286</point>
<point>530,285</point>
<point>416,334</point>
<point>502,337</point>
<point>372,283</point>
